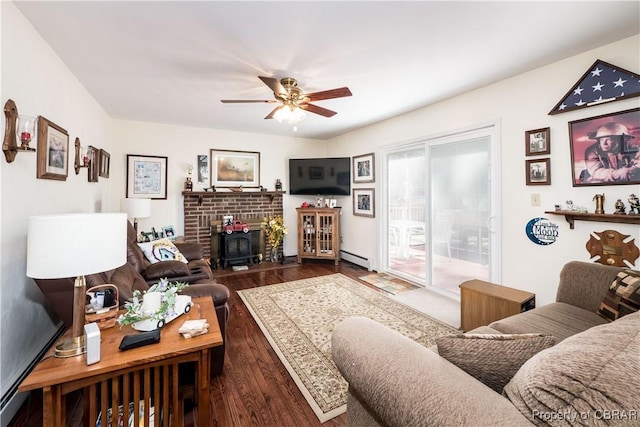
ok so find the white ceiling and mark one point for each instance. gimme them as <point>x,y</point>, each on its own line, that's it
<point>172,62</point>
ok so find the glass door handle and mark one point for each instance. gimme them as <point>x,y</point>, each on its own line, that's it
<point>490,220</point>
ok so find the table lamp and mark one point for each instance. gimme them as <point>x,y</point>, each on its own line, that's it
<point>72,245</point>
<point>136,208</point>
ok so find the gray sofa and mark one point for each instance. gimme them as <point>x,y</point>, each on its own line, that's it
<point>590,377</point>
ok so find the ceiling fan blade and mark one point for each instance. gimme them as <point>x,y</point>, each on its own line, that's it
<point>318,110</point>
<point>274,84</point>
<point>238,101</point>
<point>329,94</point>
<point>272,113</point>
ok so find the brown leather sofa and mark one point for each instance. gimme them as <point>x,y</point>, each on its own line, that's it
<point>59,294</point>
<point>197,269</point>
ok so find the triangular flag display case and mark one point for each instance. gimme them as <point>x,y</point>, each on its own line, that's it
<point>601,83</point>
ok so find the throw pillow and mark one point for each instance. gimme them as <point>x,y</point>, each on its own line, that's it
<point>161,250</point>
<point>492,358</point>
<point>588,379</point>
<point>623,296</point>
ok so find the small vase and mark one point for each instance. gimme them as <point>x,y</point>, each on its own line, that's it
<point>274,255</point>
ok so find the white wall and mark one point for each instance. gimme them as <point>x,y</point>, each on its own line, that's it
<point>40,84</point>
<point>519,104</point>
<point>182,145</point>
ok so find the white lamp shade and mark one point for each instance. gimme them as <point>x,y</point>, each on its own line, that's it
<point>136,208</point>
<point>71,245</point>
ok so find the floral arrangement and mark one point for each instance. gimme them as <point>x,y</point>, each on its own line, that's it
<point>276,230</point>
<point>133,308</point>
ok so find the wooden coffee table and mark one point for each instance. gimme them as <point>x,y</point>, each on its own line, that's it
<point>141,378</point>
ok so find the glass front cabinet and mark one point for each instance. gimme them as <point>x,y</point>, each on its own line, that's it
<point>319,233</point>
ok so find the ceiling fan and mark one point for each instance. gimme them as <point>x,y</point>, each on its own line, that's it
<point>292,99</point>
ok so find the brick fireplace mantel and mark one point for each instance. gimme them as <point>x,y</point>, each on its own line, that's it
<point>201,208</point>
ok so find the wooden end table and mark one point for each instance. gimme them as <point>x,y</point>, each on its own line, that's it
<point>482,303</point>
<point>141,378</point>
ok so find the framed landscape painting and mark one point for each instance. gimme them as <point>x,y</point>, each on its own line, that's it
<point>235,168</point>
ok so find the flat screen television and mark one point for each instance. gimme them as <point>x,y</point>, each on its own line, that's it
<point>320,176</point>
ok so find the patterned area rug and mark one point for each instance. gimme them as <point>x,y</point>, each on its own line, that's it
<point>298,318</point>
<point>388,283</point>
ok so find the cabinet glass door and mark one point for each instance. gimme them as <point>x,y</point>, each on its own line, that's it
<point>325,238</point>
<point>309,233</point>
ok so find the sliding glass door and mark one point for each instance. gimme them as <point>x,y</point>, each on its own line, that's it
<point>407,198</point>
<point>440,223</point>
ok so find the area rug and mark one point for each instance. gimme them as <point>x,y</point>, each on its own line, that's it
<point>388,283</point>
<point>298,318</point>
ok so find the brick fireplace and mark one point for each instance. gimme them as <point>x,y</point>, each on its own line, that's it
<point>203,212</point>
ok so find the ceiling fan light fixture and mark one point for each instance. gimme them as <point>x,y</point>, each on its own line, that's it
<point>290,113</point>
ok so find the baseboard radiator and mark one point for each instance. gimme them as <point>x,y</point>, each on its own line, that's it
<point>356,259</point>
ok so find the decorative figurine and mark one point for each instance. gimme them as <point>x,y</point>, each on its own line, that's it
<point>620,208</point>
<point>278,185</point>
<point>188,184</point>
<point>599,198</point>
<point>634,205</point>
<point>570,206</point>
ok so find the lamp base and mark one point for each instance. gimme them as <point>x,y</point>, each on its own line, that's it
<point>74,346</point>
<point>71,347</point>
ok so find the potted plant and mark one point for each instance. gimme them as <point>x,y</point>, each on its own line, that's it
<point>276,230</point>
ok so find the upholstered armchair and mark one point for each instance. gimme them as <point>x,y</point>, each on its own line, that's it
<point>197,268</point>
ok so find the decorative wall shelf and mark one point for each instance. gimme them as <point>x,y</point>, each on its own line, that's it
<point>572,216</point>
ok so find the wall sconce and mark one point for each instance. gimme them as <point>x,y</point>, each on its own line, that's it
<point>22,127</point>
<point>83,156</point>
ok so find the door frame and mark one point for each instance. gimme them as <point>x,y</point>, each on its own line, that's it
<point>489,129</point>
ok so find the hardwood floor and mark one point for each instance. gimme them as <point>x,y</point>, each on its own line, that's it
<point>255,388</point>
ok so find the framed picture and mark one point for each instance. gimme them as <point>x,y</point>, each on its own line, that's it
<point>53,151</point>
<point>364,202</point>
<point>94,164</point>
<point>319,202</point>
<point>235,168</point>
<point>105,163</point>
<point>146,177</point>
<point>538,141</point>
<point>203,170</point>
<point>316,172</point>
<point>364,168</point>
<point>605,150</point>
<point>227,219</point>
<point>169,232</point>
<point>539,172</point>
